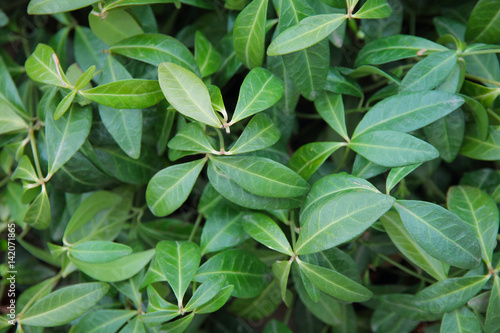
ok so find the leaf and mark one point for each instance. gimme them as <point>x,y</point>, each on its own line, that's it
<point>397,174</point>
<point>103,321</point>
<point>281,272</point>
<point>178,326</point>
<point>134,326</point>
<point>334,284</point>
<point>450,294</point>
<point>331,109</point>
<point>307,32</point>
<point>126,94</point>
<point>99,251</point>
<point>179,262</point>
<point>337,219</point>
<point>483,23</point>
<point>9,94</point>
<point>386,320</point>
<point>40,7</point>
<point>64,105</point>
<point>430,72</point>
<point>309,158</point>
<point>262,176</point>
<point>207,58</point>
<point>479,212</point>
<point>447,134</point>
<point>158,310</point>
<point>374,9</point>
<point>41,67</point>
<point>405,243</point>
<point>25,170</point>
<point>89,50</point>
<point>155,49</point>
<point>241,269</point>
<point>66,135</point>
<point>479,114</point>
<point>367,70</point>
<point>405,306</point>
<point>192,138</point>
<point>393,149</point>
<point>408,111</point>
<point>10,121</point>
<point>116,26</point>
<point>187,93</point>
<point>491,324</point>
<point>38,213</point>
<point>205,292</point>
<point>396,47</point>
<point>64,305</point>
<point>460,320</point>
<point>216,99</point>
<point>217,302</point>
<point>275,326</point>
<point>85,78</point>
<point>265,231</point>
<point>337,83</point>
<point>441,233</point>
<point>486,150</point>
<point>249,33</point>
<point>259,91</point>
<point>259,133</point>
<point>222,229</point>
<point>170,187</point>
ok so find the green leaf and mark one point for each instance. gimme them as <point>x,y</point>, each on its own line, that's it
<point>405,306</point>
<point>205,292</point>
<point>222,229</point>
<point>159,310</point>
<point>275,326</point>
<point>187,93</point>
<point>486,150</point>
<point>374,9</point>
<point>483,24</point>
<point>309,158</point>
<point>367,70</point>
<point>116,26</point>
<point>441,233</point>
<point>170,187</point>
<point>430,72</point>
<point>64,105</point>
<point>262,176</point>
<point>9,94</point>
<point>259,91</point>
<point>155,49</point>
<point>491,324</point>
<point>126,94</point>
<point>337,219</point>
<point>307,32</point>
<point>331,109</point>
<point>386,320</point>
<point>451,294</point>
<point>38,213</point>
<point>392,148</point>
<point>478,210</point>
<point>10,121</point>
<point>134,326</point>
<point>393,48</point>
<point>216,99</point>
<point>396,174</point>
<point>179,262</point>
<point>243,270</point>
<point>85,78</point>
<point>99,251</point>
<point>408,111</point>
<point>178,326</point>
<point>249,33</point>
<point>479,114</point>
<point>405,243</point>
<point>103,321</point>
<point>40,7</point>
<point>265,231</point>
<point>42,67</point>
<point>258,134</point>
<point>66,135</point>
<point>281,272</point>
<point>64,305</point>
<point>207,58</point>
<point>192,138</point>
<point>25,170</point>
<point>89,50</point>
<point>334,284</point>
<point>446,134</point>
<point>337,83</point>
<point>460,320</point>
<point>216,302</point>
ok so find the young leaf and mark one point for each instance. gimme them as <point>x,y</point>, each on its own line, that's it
<point>492,316</point>
<point>217,101</point>
<point>483,23</point>
<point>441,233</point>
<point>396,47</point>
<point>208,59</point>
<point>408,111</point>
<point>191,138</point>
<point>397,174</point>
<point>41,66</point>
<point>460,320</point>
<point>85,78</point>
<point>430,72</point>
<point>478,210</point>
<point>335,284</point>
<point>187,93</point>
<point>374,9</point>
<point>64,105</point>
<point>308,158</point>
<point>241,269</point>
<point>170,187</point>
<point>265,231</point>
<point>451,294</point>
<point>99,251</point>
<point>331,109</point>
<point>262,176</point>
<point>205,292</point>
<point>64,305</point>
<point>115,27</point>
<point>66,135</point>
<point>216,302</point>
<point>392,148</point>
<point>259,91</point>
<point>260,133</point>
<point>126,94</point>
<point>38,213</point>
<point>249,33</point>
<point>337,219</point>
<point>307,32</point>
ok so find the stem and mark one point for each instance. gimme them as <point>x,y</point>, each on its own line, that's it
<point>291,223</point>
<point>221,138</point>
<point>482,79</point>
<point>196,225</point>
<point>404,269</point>
<point>35,153</point>
<point>479,52</point>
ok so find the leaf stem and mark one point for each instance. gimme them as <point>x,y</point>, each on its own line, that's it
<point>479,52</point>
<point>35,153</point>
<point>482,79</point>
<point>221,138</point>
<point>196,225</point>
<point>404,269</point>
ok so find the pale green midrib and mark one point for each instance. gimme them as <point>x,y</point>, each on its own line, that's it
<point>179,292</point>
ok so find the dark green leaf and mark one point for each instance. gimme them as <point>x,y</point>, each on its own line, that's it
<point>192,138</point>
<point>331,109</point>
<point>396,174</point>
<point>38,213</point>
<point>103,321</point>
<point>258,134</point>
<point>483,24</point>
<point>374,9</point>
<point>308,158</point>
<point>43,66</point>
<point>205,292</point>
<point>99,251</point>
<point>265,231</point>
<point>116,26</point>
<point>446,134</point>
<point>460,320</point>
<point>491,324</point>
<point>208,59</point>
<point>40,7</point>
